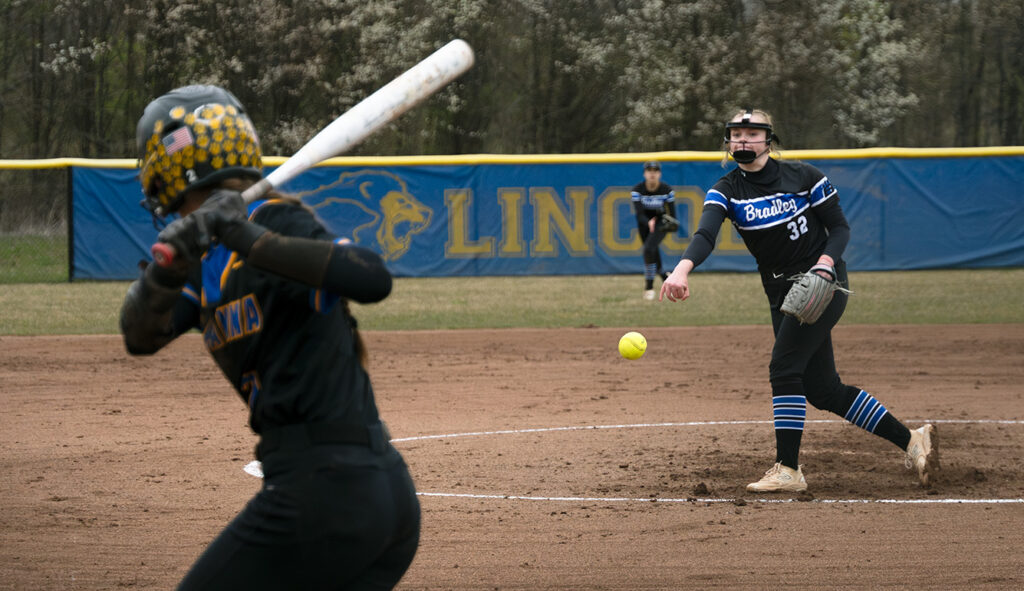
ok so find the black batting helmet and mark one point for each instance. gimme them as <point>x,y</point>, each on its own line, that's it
<point>193,137</point>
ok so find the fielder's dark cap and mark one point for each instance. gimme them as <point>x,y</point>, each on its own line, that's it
<point>652,165</point>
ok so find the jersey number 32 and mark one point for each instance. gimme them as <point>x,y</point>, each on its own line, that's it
<point>797,228</point>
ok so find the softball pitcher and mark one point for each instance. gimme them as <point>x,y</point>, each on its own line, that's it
<point>789,217</point>
<point>268,287</point>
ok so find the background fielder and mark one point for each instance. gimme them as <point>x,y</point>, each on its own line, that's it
<point>651,198</point>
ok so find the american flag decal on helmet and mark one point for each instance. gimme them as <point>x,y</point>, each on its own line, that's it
<point>177,139</point>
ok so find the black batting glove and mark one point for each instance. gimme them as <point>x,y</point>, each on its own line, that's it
<point>226,218</point>
<point>190,238</point>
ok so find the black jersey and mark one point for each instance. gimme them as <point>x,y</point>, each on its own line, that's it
<point>651,203</point>
<point>787,213</point>
<point>288,349</point>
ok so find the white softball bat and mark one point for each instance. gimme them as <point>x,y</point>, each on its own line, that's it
<point>369,115</point>
<point>372,113</point>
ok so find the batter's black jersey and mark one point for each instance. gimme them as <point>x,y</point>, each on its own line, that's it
<point>288,349</point>
<point>787,213</point>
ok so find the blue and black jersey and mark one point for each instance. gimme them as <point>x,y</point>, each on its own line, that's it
<point>787,213</point>
<point>649,204</point>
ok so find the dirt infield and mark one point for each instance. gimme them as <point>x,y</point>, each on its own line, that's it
<point>116,472</point>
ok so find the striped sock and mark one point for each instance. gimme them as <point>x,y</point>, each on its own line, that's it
<point>865,412</point>
<point>790,412</point>
<point>650,271</point>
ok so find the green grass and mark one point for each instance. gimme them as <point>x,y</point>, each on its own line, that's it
<point>61,308</point>
<point>915,297</point>
<point>33,258</point>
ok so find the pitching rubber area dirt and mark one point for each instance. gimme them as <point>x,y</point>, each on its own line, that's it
<point>544,461</point>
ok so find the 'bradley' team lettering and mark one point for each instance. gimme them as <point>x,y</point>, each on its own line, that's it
<point>777,208</point>
<point>755,212</point>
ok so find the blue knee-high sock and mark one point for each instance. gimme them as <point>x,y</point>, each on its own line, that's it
<point>649,272</point>
<point>790,412</point>
<point>866,412</point>
<point>871,415</point>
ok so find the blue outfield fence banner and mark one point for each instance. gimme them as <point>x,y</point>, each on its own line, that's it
<point>571,215</point>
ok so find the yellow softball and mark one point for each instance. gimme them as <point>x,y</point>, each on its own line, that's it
<point>632,345</point>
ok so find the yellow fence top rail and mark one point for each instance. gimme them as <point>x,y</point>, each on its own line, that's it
<point>470,159</point>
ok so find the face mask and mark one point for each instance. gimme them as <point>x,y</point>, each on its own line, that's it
<point>744,156</point>
<point>748,156</point>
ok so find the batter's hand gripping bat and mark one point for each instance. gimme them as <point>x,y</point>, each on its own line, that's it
<point>372,113</point>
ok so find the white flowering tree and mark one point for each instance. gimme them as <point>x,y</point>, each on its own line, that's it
<point>551,76</point>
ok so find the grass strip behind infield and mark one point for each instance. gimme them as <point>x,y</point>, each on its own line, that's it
<point>913,297</point>
<point>33,258</point>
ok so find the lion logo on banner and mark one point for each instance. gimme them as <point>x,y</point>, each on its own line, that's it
<point>361,201</point>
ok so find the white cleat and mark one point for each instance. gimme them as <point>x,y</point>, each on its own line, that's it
<point>780,478</point>
<point>649,295</point>
<point>923,453</point>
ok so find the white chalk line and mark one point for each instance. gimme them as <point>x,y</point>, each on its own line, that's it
<point>721,500</point>
<point>681,424</point>
<point>255,469</point>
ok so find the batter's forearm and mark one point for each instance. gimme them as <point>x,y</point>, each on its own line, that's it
<point>147,314</point>
<point>351,272</point>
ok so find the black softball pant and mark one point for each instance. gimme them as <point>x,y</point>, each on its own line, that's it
<point>329,517</point>
<point>652,244</point>
<point>803,362</point>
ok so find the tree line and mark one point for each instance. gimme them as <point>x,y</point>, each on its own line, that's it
<point>552,76</point>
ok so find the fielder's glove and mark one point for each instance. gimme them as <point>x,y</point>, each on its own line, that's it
<point>667,223</point>
<point>811,294</point>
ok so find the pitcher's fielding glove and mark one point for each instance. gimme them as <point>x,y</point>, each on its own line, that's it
<point>667,223</point>
<point>811,293</point>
